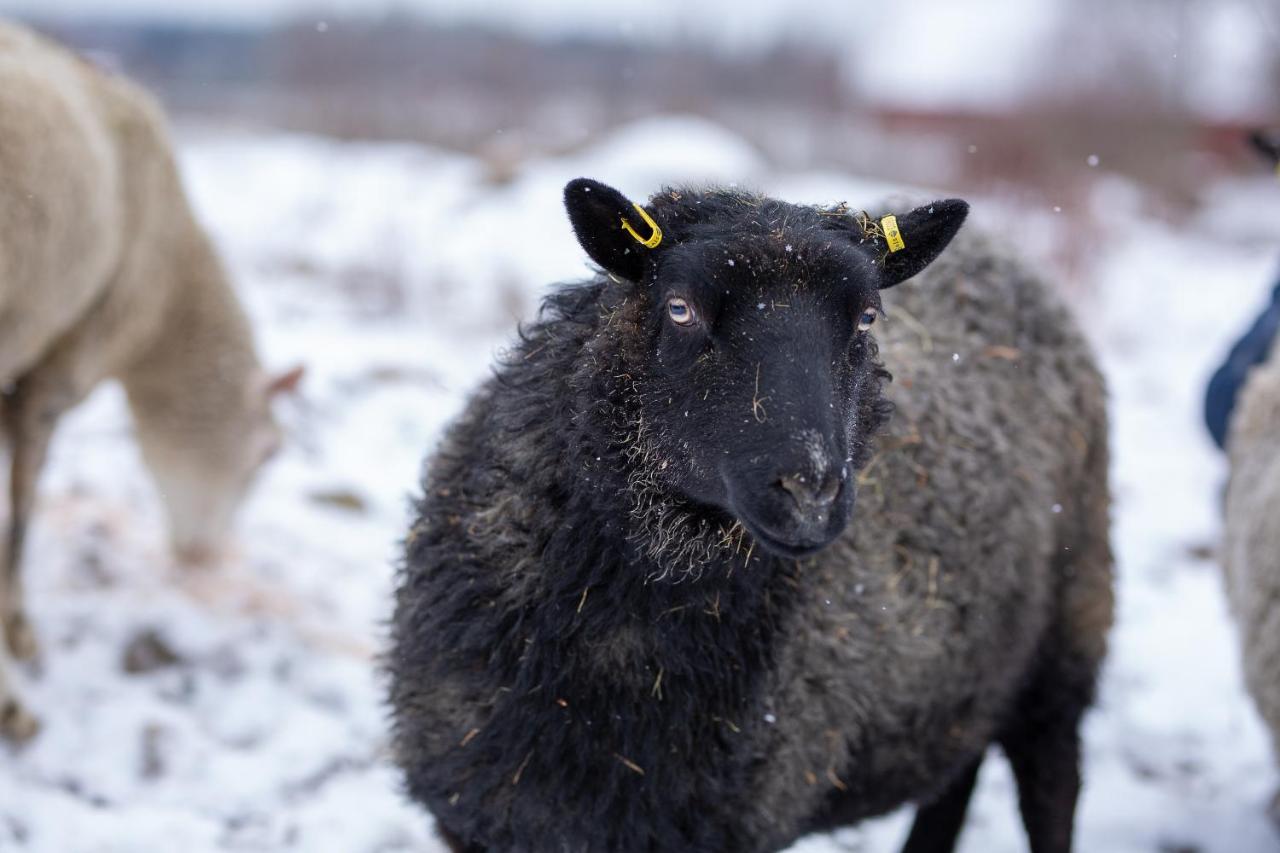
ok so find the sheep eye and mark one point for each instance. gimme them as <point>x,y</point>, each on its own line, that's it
<point>681,312</point>
<point>868,317</point>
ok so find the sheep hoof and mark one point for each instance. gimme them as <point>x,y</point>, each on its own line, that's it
<point>16,724</point>
<point>21,637</point>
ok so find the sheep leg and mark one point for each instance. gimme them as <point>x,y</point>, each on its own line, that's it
<point>30,425</point>
<point>16,723</point>
<point>938,823</point>
<point>1042,741</point>
<point>28,444</point>
<point>1043,748</point>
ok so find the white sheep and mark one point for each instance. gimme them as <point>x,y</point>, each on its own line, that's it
<point>1252,538</point>
<point>105,273</point>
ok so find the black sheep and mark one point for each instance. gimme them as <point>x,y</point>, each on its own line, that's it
<point>634,613</point>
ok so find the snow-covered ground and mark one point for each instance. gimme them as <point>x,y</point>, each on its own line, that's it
<point>239,708</point>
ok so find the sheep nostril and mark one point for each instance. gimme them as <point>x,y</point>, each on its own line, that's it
<point>829,489</point>
<point>811,493</point>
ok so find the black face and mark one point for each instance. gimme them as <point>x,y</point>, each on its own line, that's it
<point>760,385</point>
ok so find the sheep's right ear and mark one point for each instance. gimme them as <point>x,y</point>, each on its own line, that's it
<point>286,382</point>
<point>616,233</point>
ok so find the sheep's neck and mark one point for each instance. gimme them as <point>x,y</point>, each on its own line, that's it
<point>199,365</point>
<point>632,617</point>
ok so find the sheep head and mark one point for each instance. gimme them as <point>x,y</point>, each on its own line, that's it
<point>757,376</point>
<point>204,462</point>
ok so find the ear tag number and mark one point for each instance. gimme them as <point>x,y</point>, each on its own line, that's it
<point>889,225</point>
<point>655,235</point>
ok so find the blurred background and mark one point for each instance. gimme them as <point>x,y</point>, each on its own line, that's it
<point>383,180</point>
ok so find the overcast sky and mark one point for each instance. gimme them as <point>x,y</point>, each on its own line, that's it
<point>911,52</point>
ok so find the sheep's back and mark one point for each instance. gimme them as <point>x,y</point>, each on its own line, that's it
<point>85,171</point>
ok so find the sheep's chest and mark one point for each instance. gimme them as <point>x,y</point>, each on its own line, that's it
<point>887,679</point>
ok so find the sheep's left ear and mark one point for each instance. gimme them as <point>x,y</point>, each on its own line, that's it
<point>911,242</point>
<point>616,233</point>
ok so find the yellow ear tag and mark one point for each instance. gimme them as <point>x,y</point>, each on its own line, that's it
<point>889,225</point>
<point>655,235</point>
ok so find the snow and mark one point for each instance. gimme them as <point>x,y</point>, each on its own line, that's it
<point>395,272</point>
